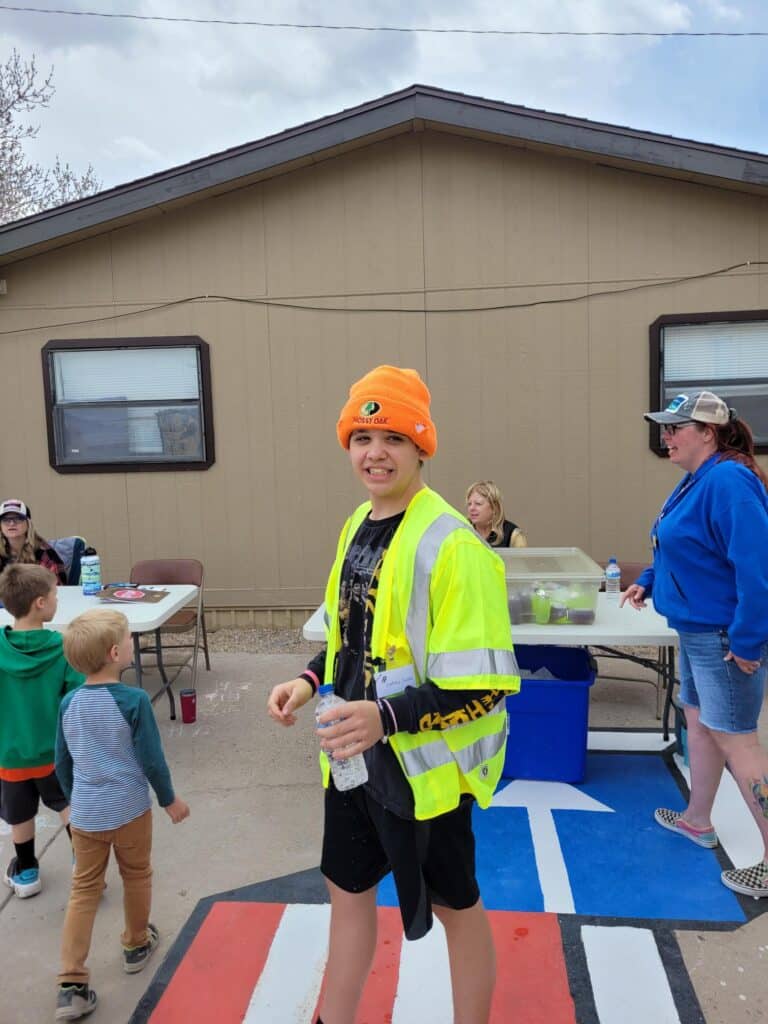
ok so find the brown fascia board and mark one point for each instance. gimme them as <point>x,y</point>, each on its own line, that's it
<point>407,110</point>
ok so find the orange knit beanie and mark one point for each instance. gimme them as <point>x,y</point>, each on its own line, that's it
<point>389,398</point>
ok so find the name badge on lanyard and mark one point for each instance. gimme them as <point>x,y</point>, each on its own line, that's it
<point>394,680</point>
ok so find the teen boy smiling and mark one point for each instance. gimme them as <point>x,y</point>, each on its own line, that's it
<point>419,645</point>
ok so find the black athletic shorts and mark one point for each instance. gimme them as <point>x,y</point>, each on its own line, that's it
<point>431,861</point>
<point>19,801</point>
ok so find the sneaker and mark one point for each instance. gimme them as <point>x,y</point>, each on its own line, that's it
<point>674,821</point>
<point>74,1002</point>
<point>748,881</point>
<point>24,883</point>
<point>135,959</point>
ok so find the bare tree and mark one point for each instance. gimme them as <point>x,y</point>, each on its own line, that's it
<point>27,187</point>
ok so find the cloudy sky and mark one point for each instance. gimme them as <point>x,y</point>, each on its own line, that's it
<point>134,97</point>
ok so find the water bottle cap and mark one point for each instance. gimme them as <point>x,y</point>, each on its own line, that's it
<point>612,559</point>
<point>325,688</point>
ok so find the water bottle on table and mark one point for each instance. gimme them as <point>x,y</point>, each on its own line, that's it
<point>350,772</point>
<point>90,572</point>
<point>612,581</point>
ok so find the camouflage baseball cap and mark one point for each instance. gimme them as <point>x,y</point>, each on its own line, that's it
<point>702,406</point>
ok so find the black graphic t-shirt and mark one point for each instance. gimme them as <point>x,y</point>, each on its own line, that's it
<point>418,709</point>
<point>354,668</point>
<point>357,601</point>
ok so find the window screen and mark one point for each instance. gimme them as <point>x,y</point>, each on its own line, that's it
<point>727,356</point>
<point>131,403</point>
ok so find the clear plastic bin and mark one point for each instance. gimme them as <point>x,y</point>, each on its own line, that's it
<point>551,586</point>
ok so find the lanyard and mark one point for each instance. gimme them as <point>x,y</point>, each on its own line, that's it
<point>676,496</point>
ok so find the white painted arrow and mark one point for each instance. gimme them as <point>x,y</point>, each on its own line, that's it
<point>540,799</point>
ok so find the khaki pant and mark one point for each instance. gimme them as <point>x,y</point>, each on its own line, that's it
<point>133,846</point>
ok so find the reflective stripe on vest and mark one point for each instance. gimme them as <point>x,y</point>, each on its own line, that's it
<point>482,662</point>
<point>436,754</point>
<point>418,608</point>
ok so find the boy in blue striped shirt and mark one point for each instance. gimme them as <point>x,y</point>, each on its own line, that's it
<point>108,753</point>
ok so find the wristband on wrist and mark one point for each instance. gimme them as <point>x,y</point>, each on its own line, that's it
<point>310,677</point>
<point>386,725</point>
<point>395,727</point>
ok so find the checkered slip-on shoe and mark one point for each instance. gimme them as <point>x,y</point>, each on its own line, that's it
<point>748,881</point>
<point>673,820</point>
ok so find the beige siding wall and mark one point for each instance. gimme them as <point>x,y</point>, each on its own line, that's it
<point>547,400</point>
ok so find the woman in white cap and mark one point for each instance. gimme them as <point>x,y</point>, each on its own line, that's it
<point>710,579</point>
<point>20,543</point>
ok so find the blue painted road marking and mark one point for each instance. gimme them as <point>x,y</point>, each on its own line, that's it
<point>619,865</point>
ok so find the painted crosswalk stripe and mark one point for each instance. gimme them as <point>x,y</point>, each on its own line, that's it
<point>284,993</point>
<point>424,987</point>
<point>243,966</point>
<point>215,979</point>
<point>733,823</point>
<point>647,742</point>
<point>629,982</point>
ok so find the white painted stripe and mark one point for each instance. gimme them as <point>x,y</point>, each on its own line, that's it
<point>553,874</point>
<point>289,985</point>
<point>629,982</point>
<point>735,826</point>
<point>424,986</point>
<point>629,741</point>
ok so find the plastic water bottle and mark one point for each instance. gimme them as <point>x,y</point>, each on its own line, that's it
<point>352,771</point>
<point>90,572</point>
<point>612,581</point>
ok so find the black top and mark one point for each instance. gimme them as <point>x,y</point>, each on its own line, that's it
<point>506,535</point>
<point>418,707</point>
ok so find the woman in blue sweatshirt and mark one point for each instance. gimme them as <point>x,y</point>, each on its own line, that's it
<point>710,579</point>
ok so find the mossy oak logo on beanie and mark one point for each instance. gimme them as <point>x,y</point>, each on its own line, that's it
<point>389,398</point>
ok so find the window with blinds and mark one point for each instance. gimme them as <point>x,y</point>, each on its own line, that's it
<point>130,403</point>
<point>722,352</point>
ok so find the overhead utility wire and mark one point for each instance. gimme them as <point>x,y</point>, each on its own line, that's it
<point>301,307</point>
<point>374,28</point>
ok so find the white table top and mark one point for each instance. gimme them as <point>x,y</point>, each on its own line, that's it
<point>613,627</point>
<point>141,617</point>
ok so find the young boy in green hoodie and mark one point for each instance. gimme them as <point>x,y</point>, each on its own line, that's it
<point>34,676</point>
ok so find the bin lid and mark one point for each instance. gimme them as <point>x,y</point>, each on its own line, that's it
<point>566,564</point>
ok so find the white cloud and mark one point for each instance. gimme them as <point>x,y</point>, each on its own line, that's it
<point>136,97</point>
<point>130,148</point>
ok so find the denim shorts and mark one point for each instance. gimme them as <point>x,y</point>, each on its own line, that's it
<point>728,699</point>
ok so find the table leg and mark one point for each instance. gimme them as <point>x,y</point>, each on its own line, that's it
<point>137,660</point>
<point>166,687</point>
<point>669,666</point>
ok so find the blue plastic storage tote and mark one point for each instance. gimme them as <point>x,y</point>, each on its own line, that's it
<point>548,718</point>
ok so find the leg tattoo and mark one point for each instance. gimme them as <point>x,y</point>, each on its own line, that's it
<point>760,793</point>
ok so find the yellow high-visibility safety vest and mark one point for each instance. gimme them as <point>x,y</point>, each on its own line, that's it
<point>441,607</point>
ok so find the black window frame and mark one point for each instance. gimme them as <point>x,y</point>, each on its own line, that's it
<point>656,331</point>
<point>107,344</point>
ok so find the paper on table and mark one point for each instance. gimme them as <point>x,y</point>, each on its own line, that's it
<point>128,595</point>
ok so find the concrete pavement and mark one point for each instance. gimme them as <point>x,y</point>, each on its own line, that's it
<point>256,814</point>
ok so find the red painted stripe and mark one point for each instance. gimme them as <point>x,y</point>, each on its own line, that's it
<point>531,979</point>
<point>217,975</point>
<point>216,978</point>
<point>379,993</point>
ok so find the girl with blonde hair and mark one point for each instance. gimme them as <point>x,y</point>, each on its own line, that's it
<point>21,544</point>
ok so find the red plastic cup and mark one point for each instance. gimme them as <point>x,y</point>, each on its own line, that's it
<point>188,700</point>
